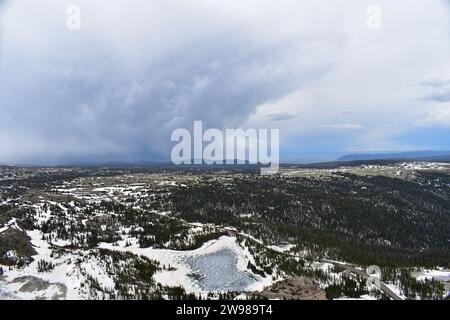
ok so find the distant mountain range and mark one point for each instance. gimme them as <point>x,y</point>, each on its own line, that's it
<point>410,155</point>
<point>350,159</point>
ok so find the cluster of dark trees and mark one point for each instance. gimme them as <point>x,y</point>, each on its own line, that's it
<point>362,219</point>
<point>45,266</point>
<point>346,287</point>
<point>428,289</point>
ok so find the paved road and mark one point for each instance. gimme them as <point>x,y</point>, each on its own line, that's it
<point>365,276</point>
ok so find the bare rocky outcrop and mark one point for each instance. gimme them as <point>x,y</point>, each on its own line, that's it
<point>298,288</point>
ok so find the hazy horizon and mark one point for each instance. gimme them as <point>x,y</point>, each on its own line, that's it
<point>306,158</point>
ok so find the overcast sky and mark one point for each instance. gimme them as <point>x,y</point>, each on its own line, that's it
<point>115,89</point>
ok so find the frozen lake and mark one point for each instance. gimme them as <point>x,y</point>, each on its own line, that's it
<point>218,271</point>
<point>219,265</point>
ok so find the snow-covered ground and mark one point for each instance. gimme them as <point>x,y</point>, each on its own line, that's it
<point>218,265</point>
<point>442,275</point>
<point>182,268</point>
<point>67,276</point>
<point>61,282</point>
<point>179,260</point>
<point>282,248</point>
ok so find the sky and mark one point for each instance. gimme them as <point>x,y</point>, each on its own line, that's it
<point>116,88</point>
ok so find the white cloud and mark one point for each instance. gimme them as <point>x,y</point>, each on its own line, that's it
<point>376,80</point>
<point>439,116</point>
<point>344,126</point>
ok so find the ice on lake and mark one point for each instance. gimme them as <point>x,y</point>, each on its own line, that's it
<point>218,271</point>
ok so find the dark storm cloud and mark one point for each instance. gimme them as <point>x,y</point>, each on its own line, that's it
<point>91,95</point>
<point>98,106</point>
